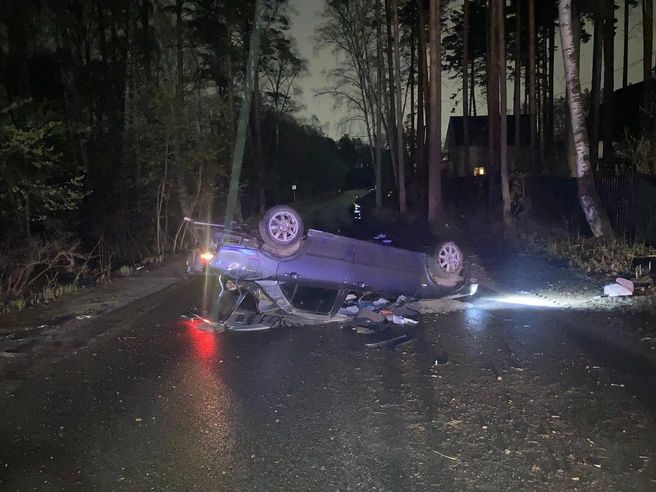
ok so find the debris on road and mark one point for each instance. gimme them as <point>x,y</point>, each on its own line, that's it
<point>383,343</point>
<point>438,306</point>
<point>368,317</point>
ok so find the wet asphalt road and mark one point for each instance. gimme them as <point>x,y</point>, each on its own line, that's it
<point>526,399</point>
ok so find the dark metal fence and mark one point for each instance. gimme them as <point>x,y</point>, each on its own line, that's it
<point>629,200</point>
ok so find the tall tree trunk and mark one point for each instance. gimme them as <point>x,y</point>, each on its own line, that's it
<point>576,31</point>
<point>597,47</point>
<point>609,82</point>
<point>179,27</point>
<point>493,105</point>
<point>435,209</point>
<point>465,87</point>
<point>144,17</point>
<point>503,96</point>
<point>588,197</point>
<point>647,58</point>
<point>549,128</point>
<point>542,101</point>
<point>399,111</point>
<point>532,96</point>
<point>411,82</point>
<point>422,73</point>
<point>391,127</point>
<point>472,84</point>
<point>517,103</point>
<point>379,109</point>
<point>230,91</point>
<point>625,51</point>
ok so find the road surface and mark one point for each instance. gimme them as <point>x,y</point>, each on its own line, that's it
<point>522,398</point>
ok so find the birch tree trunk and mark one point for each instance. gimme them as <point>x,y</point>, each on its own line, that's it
<point>588,197</point>
<point>400,149</point>
<point>576,30</point>
<point>435,140</point>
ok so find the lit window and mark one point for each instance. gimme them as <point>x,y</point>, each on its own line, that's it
<point>479,171</point>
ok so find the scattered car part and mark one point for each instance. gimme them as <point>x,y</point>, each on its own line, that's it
<point>384,343</point>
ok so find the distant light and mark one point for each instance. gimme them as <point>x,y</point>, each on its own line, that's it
<point>206,257</point>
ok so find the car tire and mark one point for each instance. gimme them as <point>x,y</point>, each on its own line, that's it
<point>448,261</point>
<point>281,228</point>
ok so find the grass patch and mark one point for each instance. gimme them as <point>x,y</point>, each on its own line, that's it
<point>603,256</point>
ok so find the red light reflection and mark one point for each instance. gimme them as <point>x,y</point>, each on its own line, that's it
<point>205,342</point>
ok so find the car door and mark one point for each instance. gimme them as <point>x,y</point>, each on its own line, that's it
<point>325,260</point>
<point>388,270</point>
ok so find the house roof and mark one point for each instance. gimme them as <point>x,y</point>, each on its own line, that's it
<point>478,130</point>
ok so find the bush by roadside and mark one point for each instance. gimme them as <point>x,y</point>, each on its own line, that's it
<point>36,271</point>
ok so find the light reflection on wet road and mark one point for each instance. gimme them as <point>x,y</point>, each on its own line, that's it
<point>169,407</point>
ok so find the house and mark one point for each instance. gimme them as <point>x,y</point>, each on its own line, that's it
<point>479,155</point>
<point>629,112</point>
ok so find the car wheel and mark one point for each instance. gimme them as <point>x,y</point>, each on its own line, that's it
<point>281,228</point>
<point>448,260</point>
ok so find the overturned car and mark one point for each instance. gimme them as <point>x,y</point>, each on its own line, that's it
<point>309,274</point>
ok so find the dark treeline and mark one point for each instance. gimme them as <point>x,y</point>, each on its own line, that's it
<point>118,119</point>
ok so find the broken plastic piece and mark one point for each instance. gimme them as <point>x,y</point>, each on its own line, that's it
<point>619,289</point>
<point>391,341</point>
<point>625,283</point>
<point>400,320</point>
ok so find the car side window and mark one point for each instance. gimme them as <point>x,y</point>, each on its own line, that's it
<point>310,299</point>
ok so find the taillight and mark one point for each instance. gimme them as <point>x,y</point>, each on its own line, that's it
<point>205,257</point>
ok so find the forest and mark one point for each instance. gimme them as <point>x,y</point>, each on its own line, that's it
<point>119,117</point>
